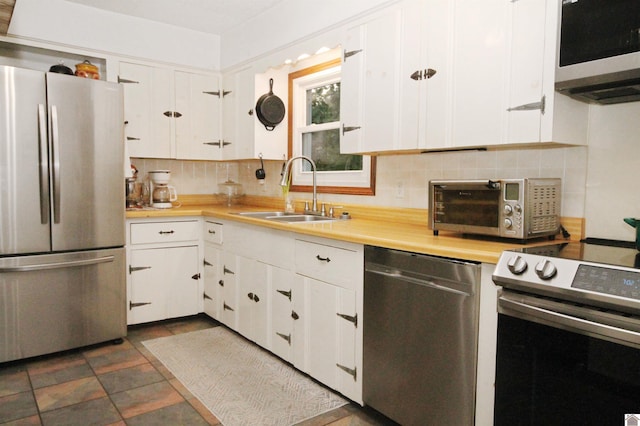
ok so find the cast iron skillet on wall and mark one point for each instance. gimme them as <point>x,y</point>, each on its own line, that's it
<point>270,109</point>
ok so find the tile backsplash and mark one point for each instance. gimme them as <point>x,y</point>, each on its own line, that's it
<point>402,180</point>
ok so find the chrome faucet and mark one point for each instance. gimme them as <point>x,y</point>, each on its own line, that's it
<point>285,179</point>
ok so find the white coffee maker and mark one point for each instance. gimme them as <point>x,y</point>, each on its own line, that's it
<point>162,194</point>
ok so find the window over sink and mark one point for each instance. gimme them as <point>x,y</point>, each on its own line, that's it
<point>314,123</point>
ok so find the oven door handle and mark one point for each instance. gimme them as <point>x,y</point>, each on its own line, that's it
<point>518,309</point>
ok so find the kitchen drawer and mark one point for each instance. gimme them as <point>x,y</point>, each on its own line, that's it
<point>336,264</point>
<point>165,232</point>
<point>213,232</point>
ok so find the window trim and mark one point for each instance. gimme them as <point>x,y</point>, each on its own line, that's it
<point>350,190</point>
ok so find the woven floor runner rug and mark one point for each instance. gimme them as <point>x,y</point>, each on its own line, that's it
<point>239,382</point>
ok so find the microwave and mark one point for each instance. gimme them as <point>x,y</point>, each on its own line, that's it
<point>506,208</point>
<point>598,57</point>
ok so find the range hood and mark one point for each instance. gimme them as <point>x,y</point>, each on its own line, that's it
<point>604,89</point>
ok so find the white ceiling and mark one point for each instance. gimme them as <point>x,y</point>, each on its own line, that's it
<point>209,16</point>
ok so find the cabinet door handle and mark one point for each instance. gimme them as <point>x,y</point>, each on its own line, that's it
<point>195,276</point>
<point>350,371</point>
<point>256,298</point>
<point>217,143</point>
<point>250,296</point>
<point>221,283</point>
<point>250,112</point>
<point>286,337</point>
<point>285,293</point>
<point>211,231</point>
<point>530,107</point>
<point>350,53</point>
<point>165,232</point>
<point>135,305</point>
<point>346,129</point>
<point>131,138</point>
<point>295,315</point>
<point>225,270</point>
<point>353,319</point>
<point>323,259</point>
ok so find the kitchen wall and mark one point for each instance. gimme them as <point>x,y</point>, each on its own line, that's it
<point>401,179</point>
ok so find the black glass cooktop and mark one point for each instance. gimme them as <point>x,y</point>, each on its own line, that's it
<point>608,252</point>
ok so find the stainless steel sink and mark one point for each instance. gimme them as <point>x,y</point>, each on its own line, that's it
<point>287,217</point>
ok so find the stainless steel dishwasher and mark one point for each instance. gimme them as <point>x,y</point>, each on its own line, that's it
<point>420,337</point>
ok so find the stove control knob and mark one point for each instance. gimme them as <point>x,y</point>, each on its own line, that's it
<point>517,265</point>
<point>546,270</point>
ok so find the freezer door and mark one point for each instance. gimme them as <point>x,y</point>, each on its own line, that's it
<point>24,180</point>
<point>86,129</point>
<point>55,302</point>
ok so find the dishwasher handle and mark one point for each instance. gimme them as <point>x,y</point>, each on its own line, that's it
<point>398,274</point>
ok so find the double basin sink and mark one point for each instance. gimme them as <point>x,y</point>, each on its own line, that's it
<point>285,217</point>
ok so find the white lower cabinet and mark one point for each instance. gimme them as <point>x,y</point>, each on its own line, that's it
<point>298,297</point>
<point>331,274</point>
<point>163,272</point>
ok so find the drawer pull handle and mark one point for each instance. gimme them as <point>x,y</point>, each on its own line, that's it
<point>165,232</point>
<point>323,259</point>
<point>211,231</point>
<point>137,268</point>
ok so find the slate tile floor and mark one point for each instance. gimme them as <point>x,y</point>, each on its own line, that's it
<point>123,384</point>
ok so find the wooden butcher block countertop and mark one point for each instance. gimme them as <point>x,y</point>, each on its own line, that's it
<point>401,229</point>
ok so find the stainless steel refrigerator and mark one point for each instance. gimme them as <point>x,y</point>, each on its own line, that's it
<point>62,258</point>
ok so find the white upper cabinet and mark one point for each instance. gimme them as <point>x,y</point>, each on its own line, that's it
<point>170,113</point>
<point>147,96</point>
<point>243,136</point>
<point>536,113</point>
<point>197,101</point>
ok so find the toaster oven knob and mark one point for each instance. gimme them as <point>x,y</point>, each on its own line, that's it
<point>508,223</point>
<point>546,270</point>
<point>517,265</point>
<point>507,209</point>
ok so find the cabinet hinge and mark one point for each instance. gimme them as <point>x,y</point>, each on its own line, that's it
<point>195,276</point>
<point>227,307</point>
<point>350,53</point>
<point>286,337</point>
<point>353,319</point>
<point>226,270</point>
<point>207,263</point>
<point>350,371</point>
<point>135,305</point>
<point>124,80</point>
<point>531,107</point>
<point>137,268</point>
<point>286,293</point>
<point>218,93</point>
<point>346,129</point>
<point>206,296</point>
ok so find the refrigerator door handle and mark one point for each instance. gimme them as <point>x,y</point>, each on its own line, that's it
<point>42,146</point>
<point>56,265</point>
<point>56,164</point>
